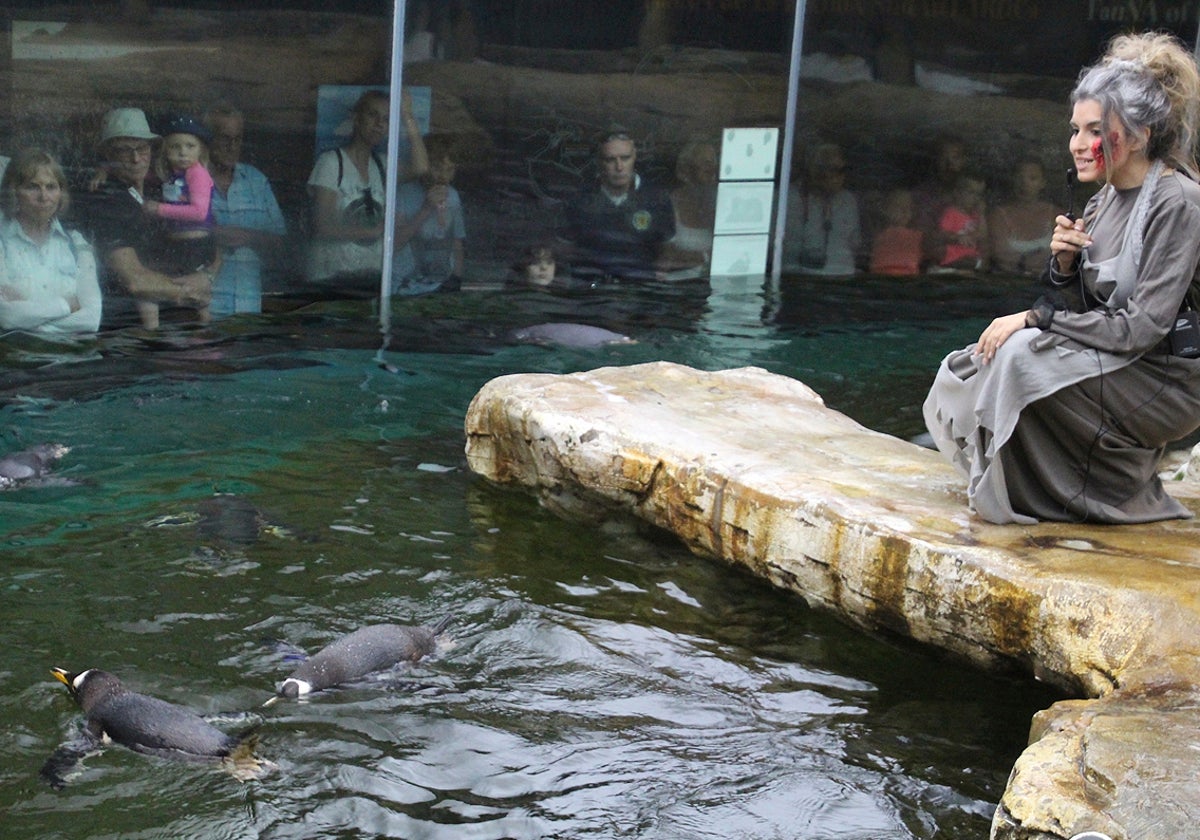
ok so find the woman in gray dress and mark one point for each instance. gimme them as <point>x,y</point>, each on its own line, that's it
<point>1062,412</point>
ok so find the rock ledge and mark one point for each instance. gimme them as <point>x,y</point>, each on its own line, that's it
<point>753,468</point>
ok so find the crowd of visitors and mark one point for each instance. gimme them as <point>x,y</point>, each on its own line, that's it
<point>181,227</point>
<point>952,221</point>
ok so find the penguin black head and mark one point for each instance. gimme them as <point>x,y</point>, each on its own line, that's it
<point>293,688</point>
<point>87,687</point>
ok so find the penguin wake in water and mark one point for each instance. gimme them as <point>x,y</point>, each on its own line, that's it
<point>30,466</point>
<point>147,725</point>
<point>376,647</point>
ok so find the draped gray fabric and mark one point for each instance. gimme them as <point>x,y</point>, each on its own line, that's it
<point>1069,423</point>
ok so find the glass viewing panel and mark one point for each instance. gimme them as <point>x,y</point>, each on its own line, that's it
<point>932,136</point>
<point>586,135</point>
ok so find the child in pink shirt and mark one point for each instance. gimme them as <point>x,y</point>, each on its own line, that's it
<point>186,205</point>
<point>961,227</point>
<point>896,251</point>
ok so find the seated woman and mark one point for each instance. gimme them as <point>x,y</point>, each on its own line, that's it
<point>687,253</point>
<point>1062,412</point>
<point>48,282</point>
<point>823,231</point>
<point>1019,228</point>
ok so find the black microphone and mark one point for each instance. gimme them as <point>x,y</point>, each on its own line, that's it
<point>1071,181</point>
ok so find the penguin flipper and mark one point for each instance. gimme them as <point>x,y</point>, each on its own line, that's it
<point>66,761</point>
<point>242,762</point>
<point>287,651</point>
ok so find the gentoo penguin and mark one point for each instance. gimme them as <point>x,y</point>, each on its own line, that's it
<point>142,723</point>
<point>375,647</point>
<point>569,335</point>
<point>29,464</point>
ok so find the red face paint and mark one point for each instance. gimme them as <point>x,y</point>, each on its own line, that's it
<point>1098,154</point>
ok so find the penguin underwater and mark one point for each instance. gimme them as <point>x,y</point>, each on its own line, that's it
<point>147,725</point>
<point>29,465</point>
<point>376,647</point>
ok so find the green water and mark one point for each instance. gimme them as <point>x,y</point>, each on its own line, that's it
<point>294,476</point>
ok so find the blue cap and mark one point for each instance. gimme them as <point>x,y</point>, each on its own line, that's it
<point>183,124</point>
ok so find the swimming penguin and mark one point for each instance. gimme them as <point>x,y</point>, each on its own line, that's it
<point>29,464</point>
<point>568,335</point>
<point>367,650</point>
<point>144,724</point>
<point>226,525</point>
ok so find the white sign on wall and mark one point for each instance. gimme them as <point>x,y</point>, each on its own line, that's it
<point>736,255</point>
<point>748,154</point>
<point>744,207</point>
<point>745,201</point>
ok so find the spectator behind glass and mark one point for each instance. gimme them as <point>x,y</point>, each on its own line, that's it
<point>823,232</point>
<point>687,254</point>
<point>617,227</point>
<point>347,189</point>
<point>1018,229</point>
<point>960,243</point>
<point>430,230</point>
<point>896,251</point>
<point>249,226</point>
<point>186,205</point>
<point>127,240</point>
<point>48,282</point>
<point>537,266</point>
<point>931,196</point>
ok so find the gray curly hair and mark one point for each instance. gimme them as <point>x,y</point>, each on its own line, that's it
<point>1148,81</point>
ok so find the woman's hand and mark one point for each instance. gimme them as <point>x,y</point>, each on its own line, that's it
<point>1067,241</point>
<point>997,333</point>
<point>150,207</point>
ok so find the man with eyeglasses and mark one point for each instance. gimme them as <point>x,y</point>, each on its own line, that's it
<point>128,240</point>
<point>617,227</point>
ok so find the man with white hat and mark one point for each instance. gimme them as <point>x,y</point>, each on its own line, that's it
<point>128,240</point>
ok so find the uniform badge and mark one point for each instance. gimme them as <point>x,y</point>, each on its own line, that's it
<point>641,220</point>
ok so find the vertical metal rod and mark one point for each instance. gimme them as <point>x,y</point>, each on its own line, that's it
<point>395,100</point>
<point>789,140</point>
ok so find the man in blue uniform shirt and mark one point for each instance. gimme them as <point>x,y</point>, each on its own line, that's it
<point>617,228</point>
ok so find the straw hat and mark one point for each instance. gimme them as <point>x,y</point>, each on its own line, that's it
<point>126,122</point>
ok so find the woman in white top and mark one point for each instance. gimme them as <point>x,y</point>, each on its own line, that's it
<point>694,201</point>
<point>823,233</point>
<point>48,282</point>
<point>347,189</point>
<point>1020,242</point>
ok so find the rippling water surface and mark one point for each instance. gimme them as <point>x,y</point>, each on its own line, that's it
<point>292,477</point>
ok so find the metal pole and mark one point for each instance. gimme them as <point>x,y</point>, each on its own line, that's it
<point>395,98</point>
<point>789,132</point>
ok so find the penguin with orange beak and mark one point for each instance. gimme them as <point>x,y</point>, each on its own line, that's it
<point>115,714</point>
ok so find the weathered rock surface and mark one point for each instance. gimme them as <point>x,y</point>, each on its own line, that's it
<point>753,468</point>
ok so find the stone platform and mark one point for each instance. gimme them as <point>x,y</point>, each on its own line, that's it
<point>753,468</point>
